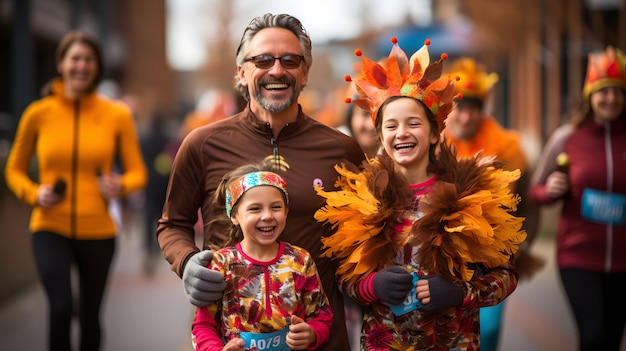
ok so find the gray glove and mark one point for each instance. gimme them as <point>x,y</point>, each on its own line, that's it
<point>392,285</point>
<point>443,294</point>
<point>202,285</point>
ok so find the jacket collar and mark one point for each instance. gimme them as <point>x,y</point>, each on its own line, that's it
<point>263,127</point>
<point>58,88</point>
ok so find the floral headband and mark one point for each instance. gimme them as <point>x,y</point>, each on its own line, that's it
<point>237,188</point>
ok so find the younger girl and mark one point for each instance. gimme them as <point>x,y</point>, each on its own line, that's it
<point>423,240</point>
<point>274,299</point>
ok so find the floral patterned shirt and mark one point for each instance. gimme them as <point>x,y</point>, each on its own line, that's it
<point>450,329</point>
<point>261,297</point>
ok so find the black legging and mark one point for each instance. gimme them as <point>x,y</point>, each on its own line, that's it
<point>597,301</point>
<point>54,255</point>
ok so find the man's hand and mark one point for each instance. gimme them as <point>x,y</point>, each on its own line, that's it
<point>300,335</point>
<point>202,285</point>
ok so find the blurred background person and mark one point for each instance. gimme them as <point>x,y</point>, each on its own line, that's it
<point>212,106</point>
<point>471,130</point>
<point>75,135</point>
<point>584,165</point>
<point>158,152</point>
<point>468,126</point>
<point>358,122</point>
<point>359,126</point>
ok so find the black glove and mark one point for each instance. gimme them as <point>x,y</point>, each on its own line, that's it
<point>59,186</point>
<point>202,285</point>
<point>392,285</point>
<point>443,294</point>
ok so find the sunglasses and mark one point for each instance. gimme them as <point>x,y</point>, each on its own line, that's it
<point>266,61</point>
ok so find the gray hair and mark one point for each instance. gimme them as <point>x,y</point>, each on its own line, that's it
<point>269,20</point>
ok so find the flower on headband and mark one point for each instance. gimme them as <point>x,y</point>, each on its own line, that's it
<point>474,81</point>
<point>604,69</point>
<point>400,76</point>
<point>238,187</point>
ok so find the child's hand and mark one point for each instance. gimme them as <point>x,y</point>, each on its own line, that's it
<point>423,291</point>
<point>236,344</point>
<point>437,293</point>
<point>300,335</point>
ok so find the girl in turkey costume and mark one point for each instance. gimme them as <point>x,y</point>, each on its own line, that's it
<point>423,240</point>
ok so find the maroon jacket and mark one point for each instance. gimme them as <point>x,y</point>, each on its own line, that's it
<point>308,151</point>
<point>597,160</point>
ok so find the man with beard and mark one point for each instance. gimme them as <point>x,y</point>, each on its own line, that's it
<point>273,62</point>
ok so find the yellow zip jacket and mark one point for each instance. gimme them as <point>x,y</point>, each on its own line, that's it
<point>74,140</point>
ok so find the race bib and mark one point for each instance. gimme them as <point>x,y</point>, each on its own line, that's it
<point>275,341</point>
<point>411,302</point>
<point>603,207</point>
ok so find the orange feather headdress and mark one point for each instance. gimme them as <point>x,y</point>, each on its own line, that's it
<point>403,76</point>
<point>474,81</point>
<point>605,68</point>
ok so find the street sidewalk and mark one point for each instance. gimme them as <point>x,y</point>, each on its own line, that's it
<point>140,312</point>
<point>151,313</point>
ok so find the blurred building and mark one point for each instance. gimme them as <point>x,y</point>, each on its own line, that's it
<point>538,48</point>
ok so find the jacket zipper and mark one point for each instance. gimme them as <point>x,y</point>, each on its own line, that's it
<point>609,187</point>
<point>74,169</point>
<point>274,142</point>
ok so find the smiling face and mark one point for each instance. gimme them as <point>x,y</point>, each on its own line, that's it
<point>363,131</point>
<point>261,212</point>
<point>407,135</point>
<point>79,68</point>
<point>464,121</point>
<point>607,104</point>
<point>273,89</point>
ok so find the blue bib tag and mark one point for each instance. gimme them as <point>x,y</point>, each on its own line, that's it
<point>275,341</point>
<point>411,302</point>
<point>603,207</point>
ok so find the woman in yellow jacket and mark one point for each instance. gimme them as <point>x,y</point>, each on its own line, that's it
<point>76,135</point>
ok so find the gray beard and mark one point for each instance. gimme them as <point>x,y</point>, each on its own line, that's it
<point>274,107</point>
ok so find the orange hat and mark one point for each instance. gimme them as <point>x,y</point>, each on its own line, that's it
<point>474,81</point>
<point>401,76</point>
<point>605,69</point>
